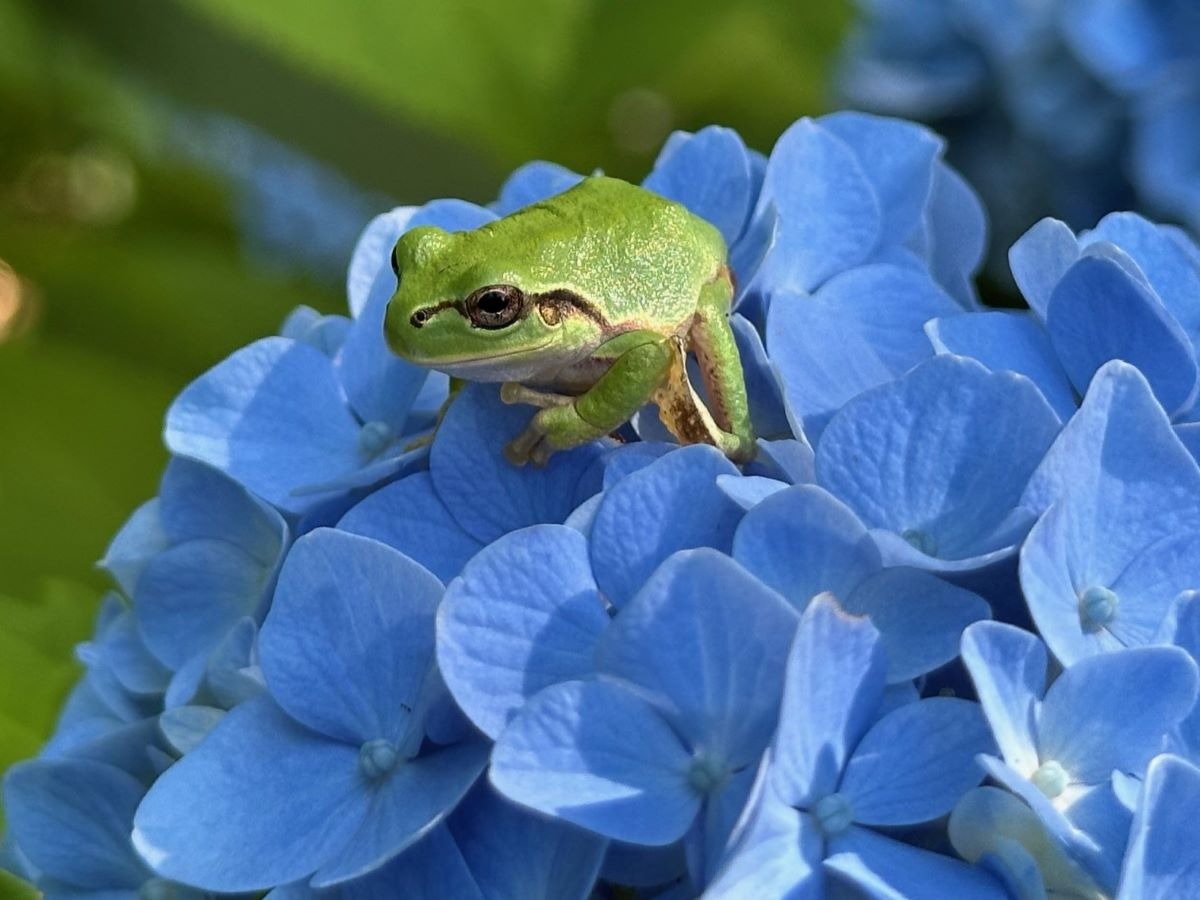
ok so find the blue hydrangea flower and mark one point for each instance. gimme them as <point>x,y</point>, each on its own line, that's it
<point>661,743</point>
<point>1120,535</point>
<point>1126,290</point>
<point>835,773</point>
<point>803,542</point>
<point>935,463</point>
<point>347,652</point>
<point>586,679</point>
<point>1060,745</point>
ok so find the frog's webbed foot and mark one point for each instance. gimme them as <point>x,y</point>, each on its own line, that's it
<point>552,429</point>
<point>534,444</point>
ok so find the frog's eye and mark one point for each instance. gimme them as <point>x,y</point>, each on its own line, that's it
<point>495,306</point>
<point>396,262</point>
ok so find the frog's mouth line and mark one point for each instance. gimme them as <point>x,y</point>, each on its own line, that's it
<point>468,361</point>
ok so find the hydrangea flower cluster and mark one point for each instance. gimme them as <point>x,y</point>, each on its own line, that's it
<point>1067,107</point>
<point>939,639</point>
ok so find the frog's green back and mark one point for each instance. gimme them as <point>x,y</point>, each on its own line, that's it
<point>637,255</point>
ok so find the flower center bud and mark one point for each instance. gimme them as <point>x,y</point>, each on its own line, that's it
<point>921,540</point>
<point>705,774</point>
<point>1050,778</point>
<point>834,814</point>
<point>377,759</point>
<point>374,437</point>
<point>1097,607</point>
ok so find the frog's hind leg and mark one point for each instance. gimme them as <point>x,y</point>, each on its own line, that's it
<point>711,340</point>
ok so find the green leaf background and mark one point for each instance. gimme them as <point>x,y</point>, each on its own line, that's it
<point>116,311</point>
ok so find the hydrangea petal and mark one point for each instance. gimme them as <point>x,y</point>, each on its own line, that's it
<point>1154,579</point>
<point>957,229</point>
<point>185,727</point>
<point>1098,312</point>
<point>1054,573</point>
<point>191,595</point>
<point>228,816</point>
<point>525,614</point>
<point>1188,434</point>
<point>534,182</point>
<point>767,410</point>
<point>1007,341</point>
<point>707,842</point>
<point>271,416</point>
<point>498,497</point>
<point>898,159</point>
<point>1163,860</point>
<point>1168,267</point>
<point>950,446</point>
<point>72,817</point>
<point>1009,668</point>
<point>349,641</point>
<point>672,504</point>
<point>1112,711</point>
<point>594,754</point>
<point>802,541</point>
<point>369,271</point>
<point>885,869</point>
<point>380,386</point>
<point>916,762</point>
<point>829,216</point>
<point>706,642</point>
<point>709,173</point>
<point>1098,812</point>
<point>432,867</point>
<point>788,460</point>
<point>409,516</point>
<point>920,618</point>
<point>864,328</point>
<point>747,491</point>
<point>1040,258</point>
<point>134,545</point>
<point>413,800</point>
<point>779,855</point>
<point>120,648</point>
<point>1119,455</point>
<point>517,855</point>
<point>833,686</point>
<point>198,501</point>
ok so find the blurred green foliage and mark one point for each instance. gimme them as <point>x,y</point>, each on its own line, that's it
<point>121,273</point>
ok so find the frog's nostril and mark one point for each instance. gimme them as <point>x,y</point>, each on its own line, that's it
<point>419,318</point>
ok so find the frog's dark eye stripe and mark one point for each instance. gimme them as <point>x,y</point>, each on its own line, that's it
<point>396,261</point>
<point>495,306</point>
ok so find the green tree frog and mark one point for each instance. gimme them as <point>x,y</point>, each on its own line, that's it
<point>585,305</point>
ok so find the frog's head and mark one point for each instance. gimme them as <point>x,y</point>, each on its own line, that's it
<point>462,308</point>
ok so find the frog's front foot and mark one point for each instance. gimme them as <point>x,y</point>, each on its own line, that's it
<point>512,392</point>
<point>554,428</point>
<point>531,445</point>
